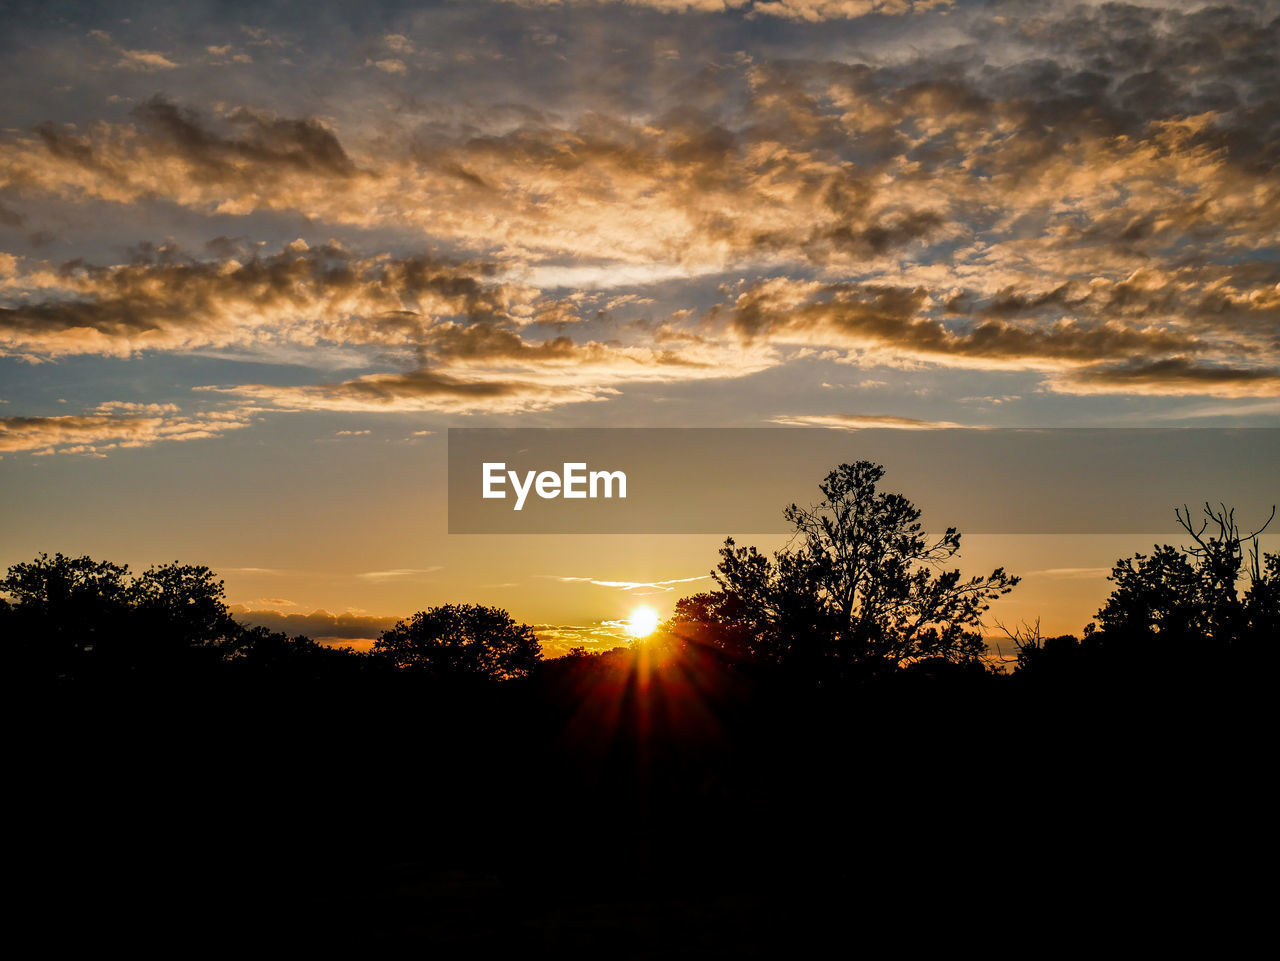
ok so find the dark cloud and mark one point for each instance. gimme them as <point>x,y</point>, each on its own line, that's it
<point>1085,352</point>
<point>260,143</point>
<point>164,299</point>
<point>1173,376</point>
<point>415,390</point>
<point>317,624</point>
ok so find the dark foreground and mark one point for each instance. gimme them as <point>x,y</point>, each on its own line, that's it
<point>642,812</point>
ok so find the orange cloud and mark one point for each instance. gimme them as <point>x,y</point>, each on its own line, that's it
<point>114,426</point>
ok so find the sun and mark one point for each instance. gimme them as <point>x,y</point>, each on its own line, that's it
<point>643,621</point>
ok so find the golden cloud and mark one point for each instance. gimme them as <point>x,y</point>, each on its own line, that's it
<point>114,426</point>
<point>512,376</point>
<point>300,294</point>
<point>1112,228</point>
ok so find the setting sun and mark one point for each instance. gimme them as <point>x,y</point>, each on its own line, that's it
<point>643,621</point>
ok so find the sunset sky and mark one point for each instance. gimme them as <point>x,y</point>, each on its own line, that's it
<point>256,259</point>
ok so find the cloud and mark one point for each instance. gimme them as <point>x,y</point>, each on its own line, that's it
<point>166,300</point>
<point>811,11</point>
<point>683,188</point>
<point>114,426</point>
<point>1071,573</point>
<point>559,639</point>
<point>398,573</point>
<point>487,369</point>
<point>1074,192</point>
<point>863,421</point>
<point>143,61</point>
<point>421,390</point>
<point>1173,376</point>
<point>398,43</point>
<point>817,162</point>
<point>248,159</point>
<point>1086,346</point>
<point>1214,409</point>
<point>467,333</point>
<point>318,624</point>
<point>816,11</point>
<point>638,588</point>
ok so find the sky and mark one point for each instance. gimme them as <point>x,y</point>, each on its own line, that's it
<point>257,259</point>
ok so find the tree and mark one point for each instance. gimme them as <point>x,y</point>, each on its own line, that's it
<point>182,605</point>
<point>1035,652</point>
<point>1190,597</point>
<point>1262,601</point>
<point>1159,594</point>
<point>860,586</point>
<point>69,615</point>
<point>63,610</point>
<point>256,649</point>
<point>461,639</point>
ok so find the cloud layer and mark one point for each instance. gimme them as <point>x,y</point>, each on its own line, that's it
<point>114,426</point>
<point>1083,195</point>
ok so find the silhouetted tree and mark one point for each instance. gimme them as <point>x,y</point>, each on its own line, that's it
<point>181,607</point>
<point>461,639</point>
<point>1160,593</point>
<point>1189,598</point>
<point>64,610</point>
<point>860,586</point>
<point>1262,601</point>
<point>71,615</point>
<point>1037,652</point>
<point>259,649</point>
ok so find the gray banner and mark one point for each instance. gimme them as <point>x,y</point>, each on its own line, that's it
<point>738,480</point>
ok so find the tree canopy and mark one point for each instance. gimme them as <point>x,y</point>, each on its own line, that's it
<point>1178,608</point>
<point>74,617</point>
<point>861,586</point>
<point>1194,592</point>
<point>74,613</point>
<point>461,639</point>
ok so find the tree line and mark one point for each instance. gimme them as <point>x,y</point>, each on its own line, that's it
<point>861,590</point>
